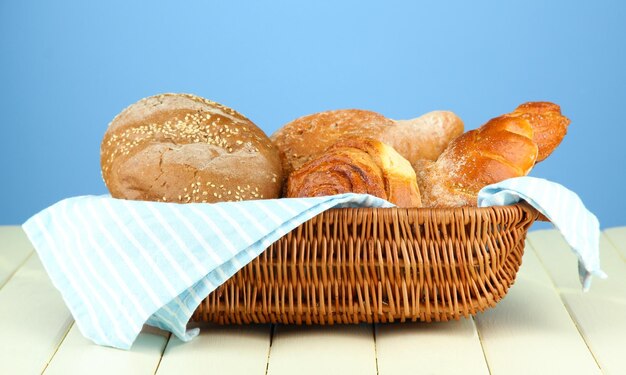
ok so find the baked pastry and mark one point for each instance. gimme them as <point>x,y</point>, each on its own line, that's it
<point>505,147</point>
<point>184,148</point>
<point>549,126</point>
<point>424,137</point>
<point>357,165</point>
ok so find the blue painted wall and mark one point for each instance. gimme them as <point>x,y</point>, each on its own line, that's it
<point>67,68</point>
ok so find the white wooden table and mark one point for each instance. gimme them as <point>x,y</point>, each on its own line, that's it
<point>545,325</point>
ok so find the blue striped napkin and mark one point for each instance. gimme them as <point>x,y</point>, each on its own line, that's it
<point>119,264</point>
<point>579,227</point>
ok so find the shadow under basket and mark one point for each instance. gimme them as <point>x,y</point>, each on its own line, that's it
<point>353,265</point>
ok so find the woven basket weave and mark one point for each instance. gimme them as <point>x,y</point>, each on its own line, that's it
<point>355,265</point>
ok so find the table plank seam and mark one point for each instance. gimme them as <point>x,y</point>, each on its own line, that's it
<point>269,349</point>
<point>69,327</point>
<point>482,347</point>
<point>374,330</point>
<point>17,268</point>
<point>615,247</point>
<point>156,369</point>
<point>560,292</point>
<point>580,332</point>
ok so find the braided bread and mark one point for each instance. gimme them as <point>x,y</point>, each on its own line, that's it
<point>505,147</point>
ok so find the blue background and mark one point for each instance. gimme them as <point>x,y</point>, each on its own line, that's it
<point>67,68</point>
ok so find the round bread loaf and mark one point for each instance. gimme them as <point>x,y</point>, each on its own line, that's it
<point>183,148</point>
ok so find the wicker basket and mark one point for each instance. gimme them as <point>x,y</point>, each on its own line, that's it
<point>355,265</point>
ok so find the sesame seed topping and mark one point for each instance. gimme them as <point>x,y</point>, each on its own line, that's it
<point>214,125</point>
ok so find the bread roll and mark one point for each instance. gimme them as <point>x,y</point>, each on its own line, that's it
<point>424,137</point>
<point>504,147</point>
<point>357,165</point>
<point>183,148</point>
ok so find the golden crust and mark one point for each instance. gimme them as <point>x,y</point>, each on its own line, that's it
<point>424,137</point>
<point>308,136</point>
<point>549,125</point>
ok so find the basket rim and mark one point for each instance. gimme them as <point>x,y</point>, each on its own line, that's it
<point>522,205</point>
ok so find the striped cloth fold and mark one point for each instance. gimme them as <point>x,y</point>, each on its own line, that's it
<point>120,264</point>
<point>579,227</point>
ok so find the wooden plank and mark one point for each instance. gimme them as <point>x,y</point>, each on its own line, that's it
<point>557,257</point>
<point>219,350</point>
<point>530,331</point>
<point>14,250</point>
<point>617,237</point>
<point>33,320</point>
<point>600,313</point>
<point>429,348</point>
<point>328,350</point>
<point>78,355</point>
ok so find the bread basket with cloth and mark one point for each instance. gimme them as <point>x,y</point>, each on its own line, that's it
<point>169,245</point>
